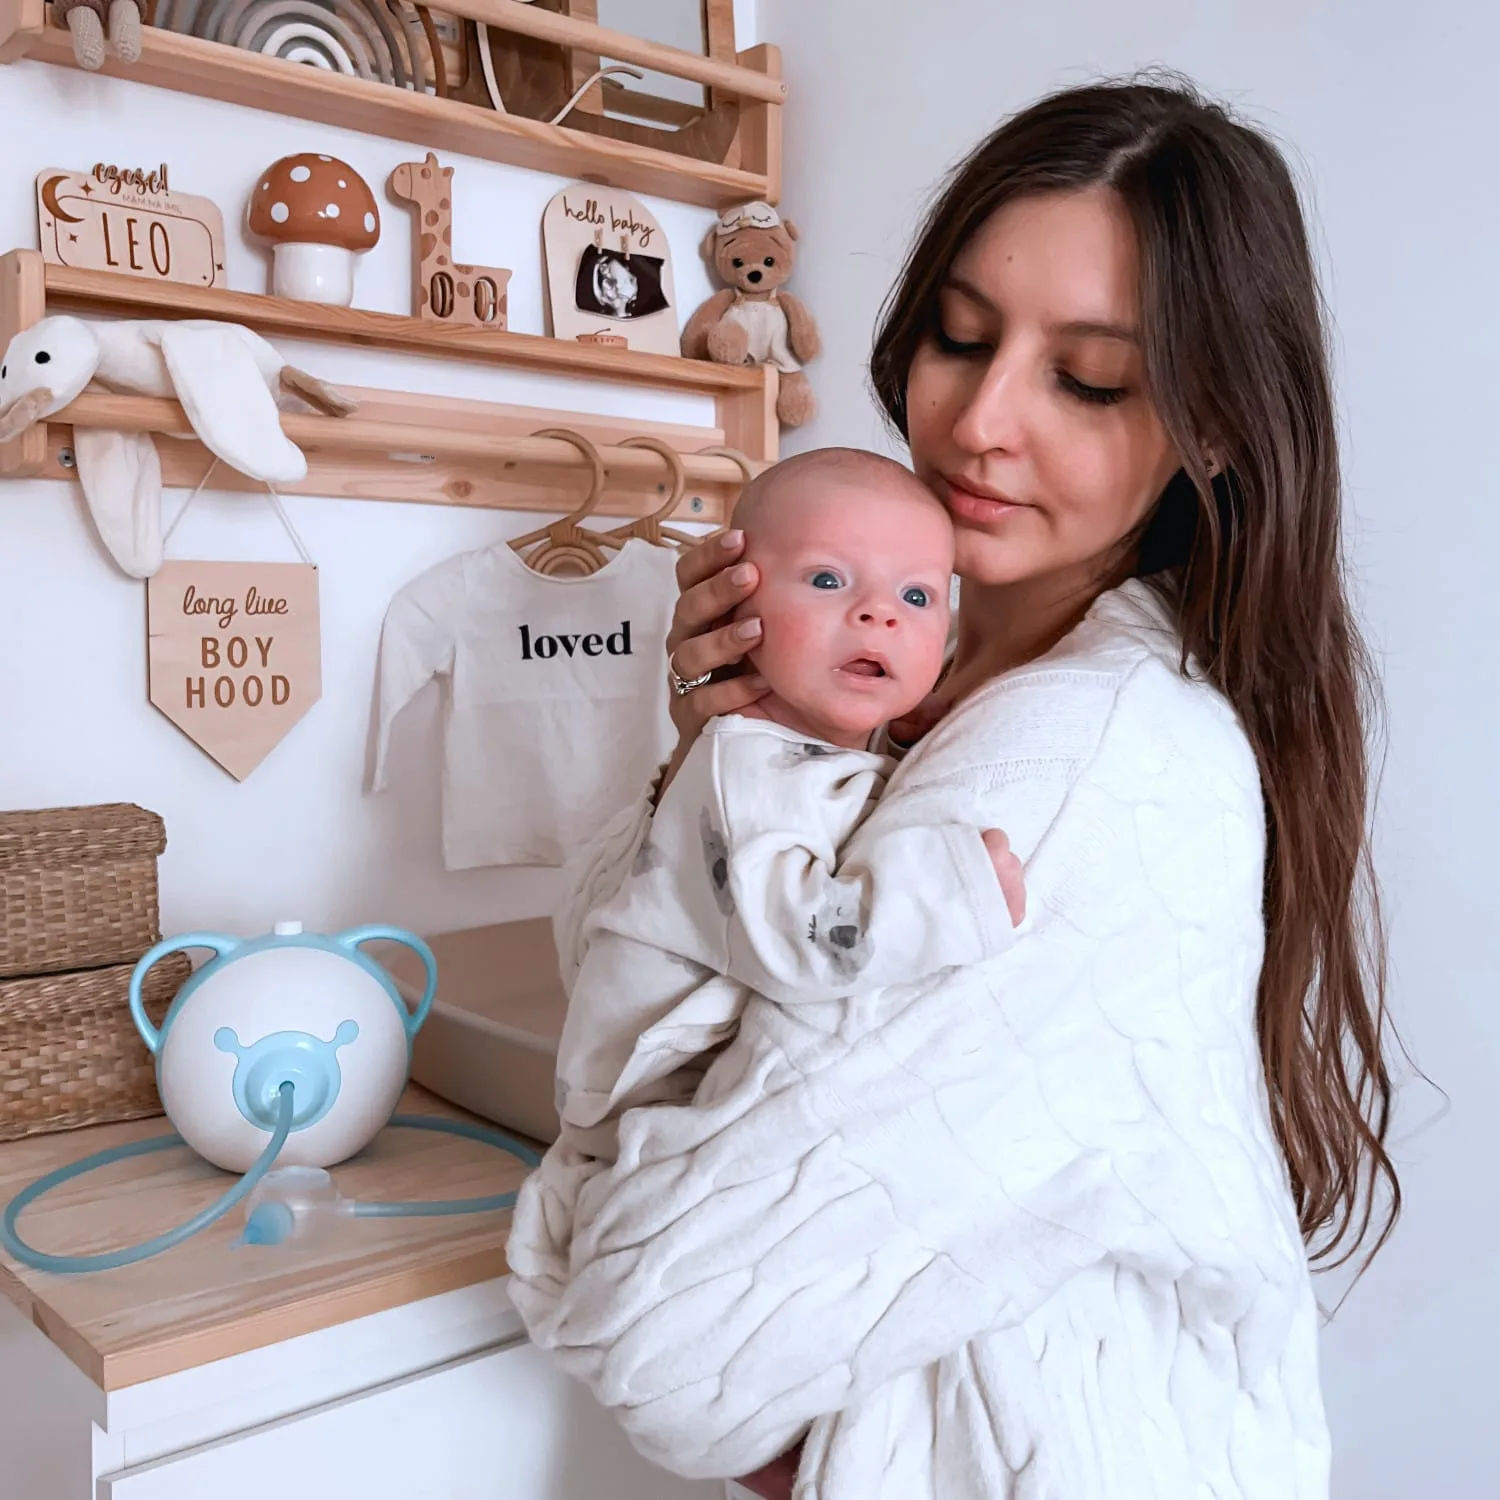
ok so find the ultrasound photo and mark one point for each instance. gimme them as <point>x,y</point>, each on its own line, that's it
<point>614,285</point>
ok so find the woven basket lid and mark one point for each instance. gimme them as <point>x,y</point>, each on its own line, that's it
<point>54,836</point>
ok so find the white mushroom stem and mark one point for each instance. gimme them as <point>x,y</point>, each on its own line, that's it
<point>313,273</point>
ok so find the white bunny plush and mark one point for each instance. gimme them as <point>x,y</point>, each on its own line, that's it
<point>225,376</point>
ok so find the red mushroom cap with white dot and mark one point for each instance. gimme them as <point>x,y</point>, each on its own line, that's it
<point>314,200</point>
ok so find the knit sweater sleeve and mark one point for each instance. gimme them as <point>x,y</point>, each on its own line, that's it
<point>843,1205</point>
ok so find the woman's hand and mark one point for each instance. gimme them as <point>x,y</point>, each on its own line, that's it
<point>775,1481</point>
<point>909,728</point>
<point>1008,872</point>
<point>713,584</point>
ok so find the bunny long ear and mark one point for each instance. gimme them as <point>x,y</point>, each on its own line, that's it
<point>121,478</point>
<point>228,402</point>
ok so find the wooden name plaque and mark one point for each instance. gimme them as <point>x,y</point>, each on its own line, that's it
<point>129,221</point>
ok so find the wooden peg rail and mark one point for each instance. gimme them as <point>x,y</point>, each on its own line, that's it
<point>405,446</point>
<point>414,442</point>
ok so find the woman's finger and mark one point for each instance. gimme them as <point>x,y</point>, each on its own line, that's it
<point>708,557</point>
<point>715,698</point>
<point>1013,888</point>
<point>696,655</point>
<point>706,603</point>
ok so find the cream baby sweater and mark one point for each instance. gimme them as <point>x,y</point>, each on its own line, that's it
<point>740,888</point>
<point>1017,1230</point>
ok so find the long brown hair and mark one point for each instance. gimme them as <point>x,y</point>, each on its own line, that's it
<point>1247,550</point>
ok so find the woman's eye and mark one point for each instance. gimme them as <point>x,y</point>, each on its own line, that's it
<point>916,596</point>
<point>958,348</point>
<point>1095,395</point>
<point>824,579</point>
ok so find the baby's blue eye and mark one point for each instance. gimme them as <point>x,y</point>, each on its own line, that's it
<point>824,579</point>
<point>917,596</point>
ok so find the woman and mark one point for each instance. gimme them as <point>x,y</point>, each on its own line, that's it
<point>1043,1233</point>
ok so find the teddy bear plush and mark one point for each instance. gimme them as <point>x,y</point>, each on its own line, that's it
<point>86,20</point>
<point>753,320</point>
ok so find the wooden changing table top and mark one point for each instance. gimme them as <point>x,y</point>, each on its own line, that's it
<point>207,1299</point>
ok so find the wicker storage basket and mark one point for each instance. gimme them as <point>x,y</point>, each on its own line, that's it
<point>77,887</point>
<point>69,1052</point>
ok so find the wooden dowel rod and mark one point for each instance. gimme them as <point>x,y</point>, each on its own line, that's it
<point>353,435</point>
<point>568,31</point>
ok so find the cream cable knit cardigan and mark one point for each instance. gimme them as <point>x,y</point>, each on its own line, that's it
<point>1021,1230</point>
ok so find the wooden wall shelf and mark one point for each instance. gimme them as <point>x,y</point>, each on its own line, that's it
<point>211,70</point>
<point>402,446</point>
<point>69,290</point>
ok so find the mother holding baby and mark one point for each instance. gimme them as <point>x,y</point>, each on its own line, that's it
<point>1043,1227</point>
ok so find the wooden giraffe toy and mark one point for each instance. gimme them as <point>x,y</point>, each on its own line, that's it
<point>443,292</point>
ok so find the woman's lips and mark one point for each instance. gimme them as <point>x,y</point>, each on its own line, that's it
<point>980,508</point>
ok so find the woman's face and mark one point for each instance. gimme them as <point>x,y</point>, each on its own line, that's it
<point>1027,407</point>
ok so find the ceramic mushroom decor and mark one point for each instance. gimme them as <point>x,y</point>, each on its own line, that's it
<point>318,213</point>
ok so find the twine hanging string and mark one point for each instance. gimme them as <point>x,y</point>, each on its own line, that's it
<point>276,505</point>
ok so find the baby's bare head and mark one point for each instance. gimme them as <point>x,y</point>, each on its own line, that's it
<point>778,499</point>
<point>855,558</point>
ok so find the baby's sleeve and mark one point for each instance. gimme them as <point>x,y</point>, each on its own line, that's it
<point>806,920</point>
<point>417,643</point>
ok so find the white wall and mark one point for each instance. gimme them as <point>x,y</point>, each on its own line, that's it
<point>299,837</point>
<point>1386,109</point>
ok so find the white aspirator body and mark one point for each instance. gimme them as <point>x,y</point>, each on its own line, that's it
<point>307,1009</point>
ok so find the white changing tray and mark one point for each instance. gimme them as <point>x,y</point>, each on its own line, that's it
<point>490,1043</point>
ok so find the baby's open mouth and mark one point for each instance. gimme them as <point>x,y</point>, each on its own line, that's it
<point>864,666</point>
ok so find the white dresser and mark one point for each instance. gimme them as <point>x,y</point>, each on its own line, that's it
<point>388,1365</point>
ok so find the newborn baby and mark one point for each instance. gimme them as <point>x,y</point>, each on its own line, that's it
<point>739,887</point>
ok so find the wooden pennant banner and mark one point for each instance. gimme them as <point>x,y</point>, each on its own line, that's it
<point>234,652</point>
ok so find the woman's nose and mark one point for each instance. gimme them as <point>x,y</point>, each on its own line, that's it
<point>992,416</point>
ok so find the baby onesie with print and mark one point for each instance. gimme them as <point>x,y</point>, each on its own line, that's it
<point>739,889</point>
<point>555,700</point>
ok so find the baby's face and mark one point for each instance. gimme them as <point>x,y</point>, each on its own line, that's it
<point>854,599</point>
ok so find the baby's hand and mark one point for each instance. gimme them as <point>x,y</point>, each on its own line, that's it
<point>1008,872</point>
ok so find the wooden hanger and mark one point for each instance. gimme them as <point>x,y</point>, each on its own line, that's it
<point>649,528</point>
<point>567,547</point>
<point>739,458</point>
